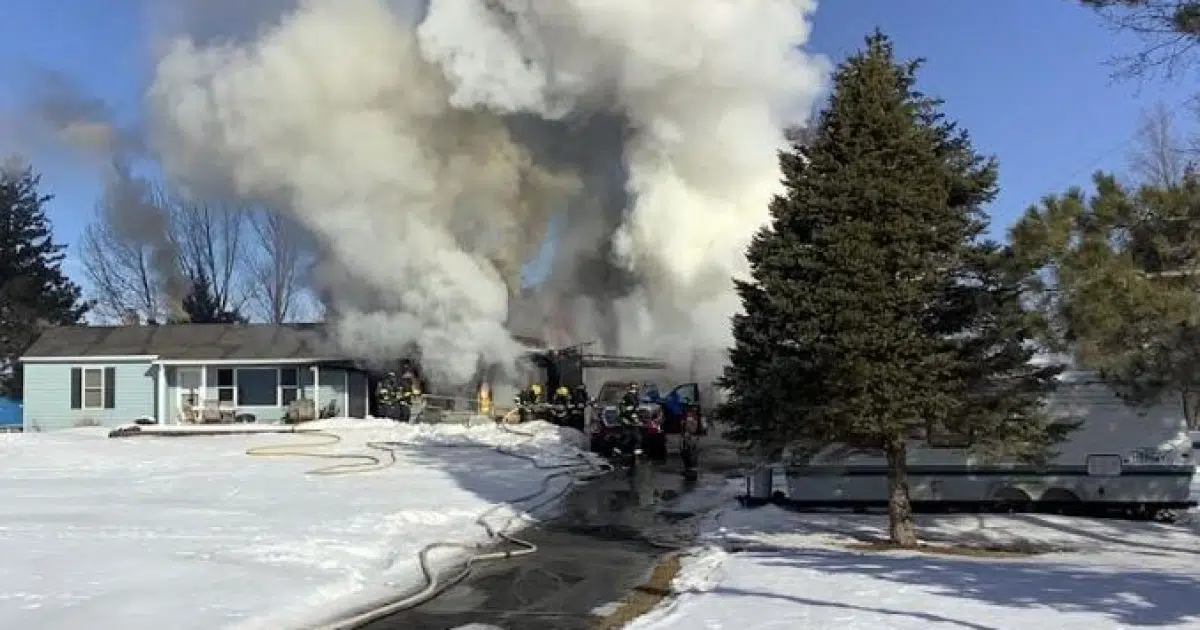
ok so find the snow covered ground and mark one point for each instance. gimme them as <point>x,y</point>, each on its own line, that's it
<point>1103,574</point>
<point>190,532</point>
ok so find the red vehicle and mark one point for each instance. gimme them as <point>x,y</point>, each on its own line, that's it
<point>657,418</point>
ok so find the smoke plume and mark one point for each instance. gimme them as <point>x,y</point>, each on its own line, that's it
<point>88,127</point>
<point>427,144</point>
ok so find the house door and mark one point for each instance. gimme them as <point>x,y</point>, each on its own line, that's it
<point>356,393</point>
<point>189,388</point>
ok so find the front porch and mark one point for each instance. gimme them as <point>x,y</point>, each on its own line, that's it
<point>261,391</point>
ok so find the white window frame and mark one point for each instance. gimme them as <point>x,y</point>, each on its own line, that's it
<point>233,387</point>
<point>280,387</point>
<point>83,386</point>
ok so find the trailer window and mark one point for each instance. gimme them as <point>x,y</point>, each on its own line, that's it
<point>939,436</point>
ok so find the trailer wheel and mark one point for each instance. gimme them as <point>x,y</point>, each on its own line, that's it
<point>1010,499</point>
<point>1061,501</point>
<point>1147,512</point>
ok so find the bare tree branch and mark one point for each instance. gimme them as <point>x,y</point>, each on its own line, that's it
<point>209,237</point>
<point>1169,29</point>
<point>147,245</point>
<point>120,274</point>
<point>1159,157</point>
<point>275,269</point>
<point>126,253</point>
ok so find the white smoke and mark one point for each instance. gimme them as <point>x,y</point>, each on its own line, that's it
<point>398,145</point>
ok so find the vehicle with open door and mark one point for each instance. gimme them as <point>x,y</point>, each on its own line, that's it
<point>658,415</point>
<point>678,404</point>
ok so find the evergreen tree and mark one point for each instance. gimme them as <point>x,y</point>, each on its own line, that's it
<point>875,315</point>
<point>1120,276</point>
<point>202,307</point>
<point>34,291</point>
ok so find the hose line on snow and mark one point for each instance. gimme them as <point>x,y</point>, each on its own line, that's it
<point>435,584</point>
<point>359,462</point>
<point>583,469</point>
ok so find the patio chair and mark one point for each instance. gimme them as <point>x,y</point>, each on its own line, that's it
<point>300,410</point>
<point>227,411</point>
<point>210,413</point>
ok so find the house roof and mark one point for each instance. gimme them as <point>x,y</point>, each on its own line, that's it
<point>193,341</point>
<point>187,341</point>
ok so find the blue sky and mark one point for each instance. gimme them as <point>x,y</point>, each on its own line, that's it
<point>1027,78</point>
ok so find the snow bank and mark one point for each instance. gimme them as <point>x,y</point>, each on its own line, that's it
<point>798,573</point>
<point>151,532</point>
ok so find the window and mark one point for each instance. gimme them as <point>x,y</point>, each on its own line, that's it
<point>93,388</point>
<point>289,385</point>
<point>257,387</point>
<point>226,392</point>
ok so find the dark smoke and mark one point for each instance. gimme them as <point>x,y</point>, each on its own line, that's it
<point>136,211</point>
<point>586,279</point>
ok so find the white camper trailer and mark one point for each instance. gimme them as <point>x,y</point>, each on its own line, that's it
<point>1120,458</point>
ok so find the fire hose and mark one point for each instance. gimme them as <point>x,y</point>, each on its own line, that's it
<point>582,470</point>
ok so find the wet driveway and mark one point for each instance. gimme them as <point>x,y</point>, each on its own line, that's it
<point>610,535</point>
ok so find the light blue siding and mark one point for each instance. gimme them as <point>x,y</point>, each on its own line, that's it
<point>332,389</point>
<point>47,395</point>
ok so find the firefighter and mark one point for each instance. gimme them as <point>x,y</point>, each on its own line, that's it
<point>387,395</point>
<point>561,405</point>
<point>537,408</point>
<point>579,403</point>
<point>627,411</point>
<point>629,404</point>
<point>408,395</point>
<point>527,400</point>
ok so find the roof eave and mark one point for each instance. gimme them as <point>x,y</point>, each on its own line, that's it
<point>88,359</point>
<point>263,361</point>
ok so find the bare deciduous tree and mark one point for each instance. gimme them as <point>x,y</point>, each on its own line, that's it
<point>121,274</point>
<point>146,246</point>
<point>1169,30</point>
<point>275,270</point>
<point>1159,156</point>
<point>210,240</point>
<point>127,253</point>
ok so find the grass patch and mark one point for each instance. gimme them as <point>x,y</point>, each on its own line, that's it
<point>643,598</point>
<point>1014,550</point>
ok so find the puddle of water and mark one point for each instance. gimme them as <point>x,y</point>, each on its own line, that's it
<point>608,535</point>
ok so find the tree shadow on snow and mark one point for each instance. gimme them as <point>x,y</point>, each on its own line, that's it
<point>804,601</point>
<point>1116,532</point>
<point>1130,598</point>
